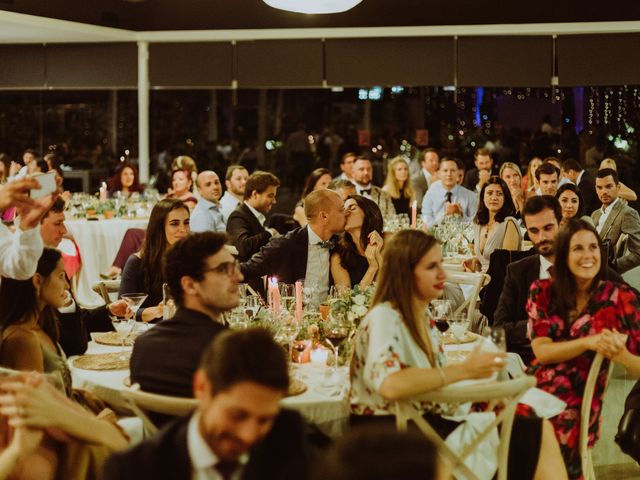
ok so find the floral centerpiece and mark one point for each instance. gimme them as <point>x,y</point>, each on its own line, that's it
<point>352,303</point>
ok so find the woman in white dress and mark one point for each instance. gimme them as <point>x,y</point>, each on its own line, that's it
<point>397,356</point>
<point>494,224</point>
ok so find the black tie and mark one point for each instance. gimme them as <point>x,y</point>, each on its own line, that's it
<point>326,244</point>
<point>365,191</point>
<point>226,469</point>
<point>448,196</point>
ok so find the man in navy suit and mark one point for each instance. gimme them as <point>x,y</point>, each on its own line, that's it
<point>238,429</point>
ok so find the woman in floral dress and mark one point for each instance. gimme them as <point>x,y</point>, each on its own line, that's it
<point>571,317</point>
<point>397,356</point>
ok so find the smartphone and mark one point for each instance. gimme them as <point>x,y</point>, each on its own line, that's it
<point>47,184</point>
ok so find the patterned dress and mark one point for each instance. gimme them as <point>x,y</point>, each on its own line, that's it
<point>612,305</point>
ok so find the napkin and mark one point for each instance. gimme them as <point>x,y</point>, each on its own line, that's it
<point>543,403</point>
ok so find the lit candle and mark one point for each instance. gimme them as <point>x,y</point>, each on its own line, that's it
<point>299,301</point>
<point>319,356</point>
<point>414,214</point>
<point>103,192</point>
<point>274,295</point>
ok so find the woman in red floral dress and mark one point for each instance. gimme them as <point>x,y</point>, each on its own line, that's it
<point>573,316</point>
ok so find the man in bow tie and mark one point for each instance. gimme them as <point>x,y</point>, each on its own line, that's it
<point>303,253</point>
<point>362,175</point>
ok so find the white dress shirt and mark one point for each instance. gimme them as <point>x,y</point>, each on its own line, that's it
<point>203,460</point>
<point>317,273</point>
<point>606,211</point>
<point>428,177</point>
<point>261,218</point>
<point>228,204</point>
<point>207,217</point>
<point>435,199</point>
<point>19,252</point>
<point>544,268</point>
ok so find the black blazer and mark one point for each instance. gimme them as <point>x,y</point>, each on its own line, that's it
<point>165,357</point>
<point>284,257</point>
<point>283,454</point>
<point>511,312</point>
<point>76,326</point>
<point>246,232</point>
<point>587,188</point>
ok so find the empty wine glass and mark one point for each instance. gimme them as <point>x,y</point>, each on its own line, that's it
<point>237,319</point>
<point>459,324</point>
<point>251,306</point>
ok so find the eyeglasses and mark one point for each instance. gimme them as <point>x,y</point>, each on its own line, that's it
<point>230,268</point>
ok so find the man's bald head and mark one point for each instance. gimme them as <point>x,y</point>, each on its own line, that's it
<point>209,185</point>
<point>324,210</point>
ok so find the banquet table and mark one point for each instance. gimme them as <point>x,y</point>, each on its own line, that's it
<point>98,242</point>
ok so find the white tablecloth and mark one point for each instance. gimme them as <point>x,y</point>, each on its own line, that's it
<point>327,408</point>
<point>98,242</point>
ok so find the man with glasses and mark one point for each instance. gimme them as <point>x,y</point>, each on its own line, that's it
<point>204,280</point>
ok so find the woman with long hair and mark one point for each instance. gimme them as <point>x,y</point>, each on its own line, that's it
<point>397,356</point>
<point>125,180</point>
<point>573,316</point>
<point>181,185</point>
<point>571,203</point>
<point>530,182</point>
<point>168,223</point>
<point>512,176</point>
<point>358,255</point>
<point>398,185</point>
<point>494,225</point>
<point>318,179</point>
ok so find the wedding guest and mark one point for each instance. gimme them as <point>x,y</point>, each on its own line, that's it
<point>421,181</point>
<point>246,224</point>
<point>235,181</point>
<point>397,356</point>
<point>573,171</point>
<point>357,257</point>
<point>168,223</point>
<point>475,178</point>
<point>625,192</point>
<point>207,215</point>
<point>398,185</point>
<point>510,173</point>
<point>494,225</point>
<point>125,180</point>
<point>362,177</point>
<point>344,187</point>
<point>181,185</point>
<point>303,253</point>
<point>318,179</point>
<point>203,279</point>
<point>570,199</point>
<point>548,176</point>
<point>615,218</point>
<point>29,156</point>
<point>346,167</point>
<point>446,198</point>
<point>238,429</point>
<point>573,315</point>
<point>530,182</point>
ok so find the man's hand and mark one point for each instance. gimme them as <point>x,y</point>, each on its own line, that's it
<point>16,193</point>
<point>483,177</point>
<point>120,308</point>
<point>453,209</point>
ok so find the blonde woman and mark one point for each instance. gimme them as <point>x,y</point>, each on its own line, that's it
<point>625,192</point>
<point>512,176</point>
<point>398,185</point>
<point>530,182</point>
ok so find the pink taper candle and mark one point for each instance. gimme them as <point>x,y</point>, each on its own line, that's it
<point>414,214</point>
<point>299,301</point>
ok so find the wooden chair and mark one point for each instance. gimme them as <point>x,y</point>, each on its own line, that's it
<point>142,402</point>
<point>585,416</point>
<point>478,280</point>
<point>105,287</point>
<point>508,392</point>
<point>621,245</point>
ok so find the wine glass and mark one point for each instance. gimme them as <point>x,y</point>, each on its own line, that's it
<point>498,337</point>
<point>441,312</point>
<point>336,332</point>
<point>459,324</point>
<point>134,300</point>
<point>237,319</point>
<point>251,306</point>
<point>123,326</point>
<point>289,329</point>
<point>288,297</point>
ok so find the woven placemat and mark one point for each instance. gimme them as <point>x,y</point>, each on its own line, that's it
<point>296,387</point>
<point>112,338</point>
<point>468,338</point>
<point>103,361</point>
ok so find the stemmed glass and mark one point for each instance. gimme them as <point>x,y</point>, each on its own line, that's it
<point>289,329</point>
<point>251,306</point>
<point>336,332</point>
<point>459,324</point>
<point>441,312</point>
<point>134,300</point>
<point>123,327</point>
<point>288,297</point>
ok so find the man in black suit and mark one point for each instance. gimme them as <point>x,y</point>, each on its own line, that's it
<point>476,177</point>
<point>203,278</point>
<point>303,253</point>
<point>573,171</point>
<point>541,215</point>
<point>238,429</point>
<point>246,224</point>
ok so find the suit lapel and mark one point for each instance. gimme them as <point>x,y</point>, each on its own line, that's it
<point>608,225</point>
<point>253,219</point>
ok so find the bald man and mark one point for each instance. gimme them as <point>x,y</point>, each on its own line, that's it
<point>303,253</point>
<point>207,215</point>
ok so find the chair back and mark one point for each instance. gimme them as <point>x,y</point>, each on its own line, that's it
<point>143,402</point>
<point>588,472</point>
<point>507,392</point>
<point>478,280</point>
<point>106,287</point>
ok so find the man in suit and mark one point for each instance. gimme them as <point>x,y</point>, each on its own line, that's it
<point>303,253</point>
<point>76,323</point>
<point>207,215</point>
<point>428,174</point>
<point>541,215</point>
<point>574,172</point>
<point>235,181</point>
<point>476,177</point>
<point>362,177</point>
<point>446,198</point>
<point>615,218</point>
<point>246,224</point>
<point>548,176</point>
<point>346,167</point>
<point>204,280</point>
<point>238,429</point>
